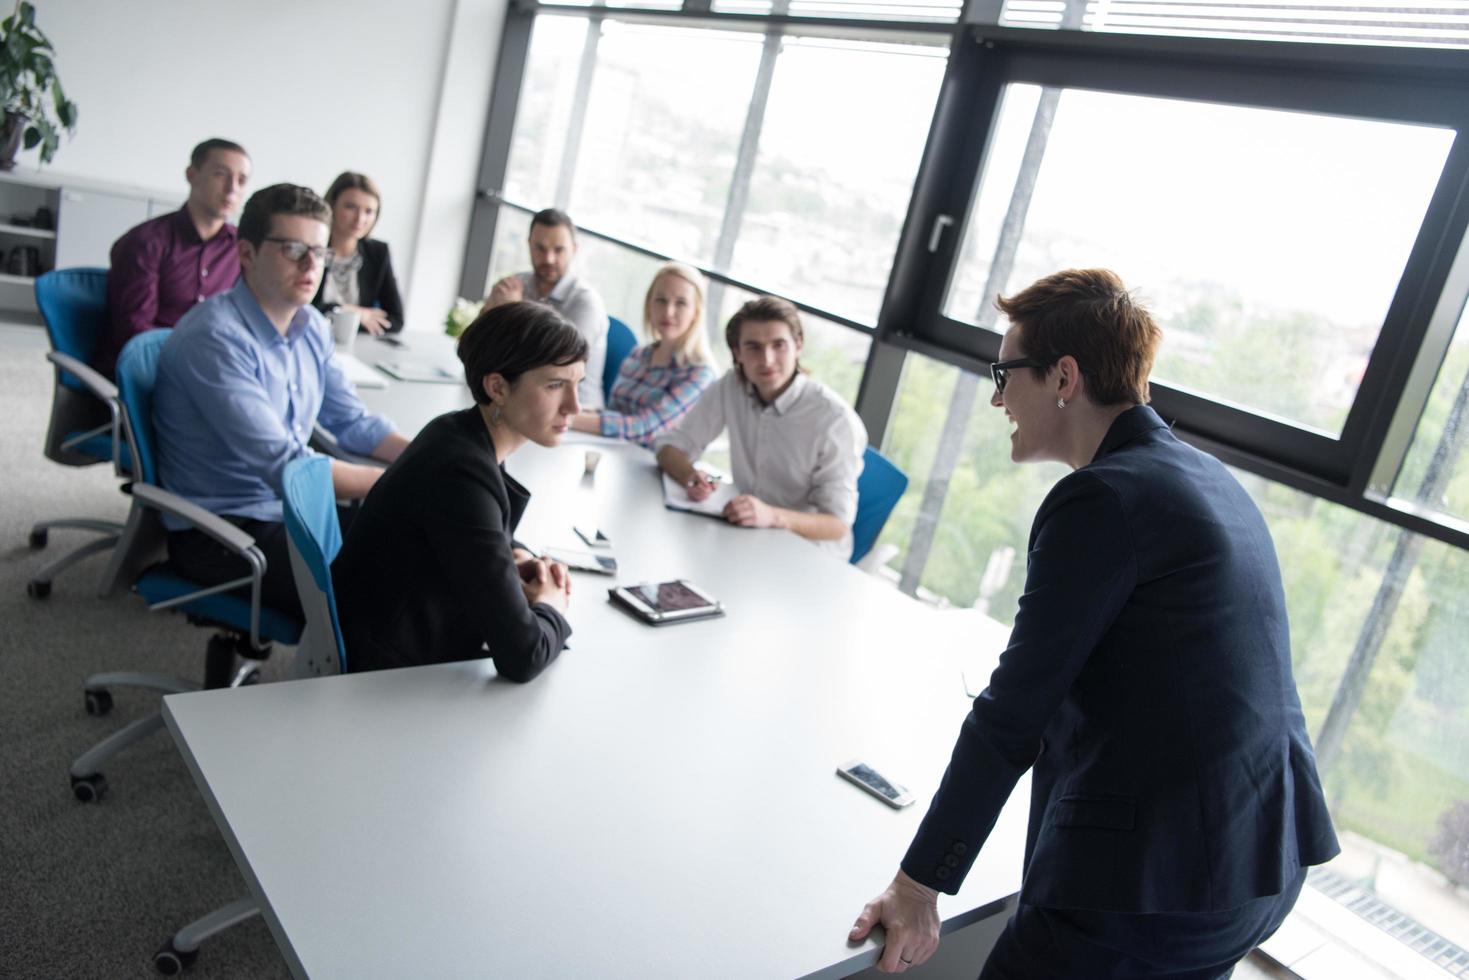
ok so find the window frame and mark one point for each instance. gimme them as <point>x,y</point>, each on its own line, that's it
<point>1391,85</point>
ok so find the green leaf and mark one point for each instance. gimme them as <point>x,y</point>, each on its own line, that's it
<point>27,14</point>
<point>32,137</point>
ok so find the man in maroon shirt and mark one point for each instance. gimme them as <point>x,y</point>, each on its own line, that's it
<point>167,264</point>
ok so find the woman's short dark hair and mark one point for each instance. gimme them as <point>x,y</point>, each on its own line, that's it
<point>513,339</point>
<point>1089,314</point>
<point>288,199</point>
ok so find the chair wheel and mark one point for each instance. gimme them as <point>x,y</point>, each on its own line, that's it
<point>37,540</point>
<point>89,789</point>
<point>170,961</point>
<point>38,589</point>
<point>98,702</point>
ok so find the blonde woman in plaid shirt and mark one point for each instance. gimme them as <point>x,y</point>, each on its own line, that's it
<point>659,382</point>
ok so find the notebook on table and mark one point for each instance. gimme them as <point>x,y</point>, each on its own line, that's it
<point>675,497</point>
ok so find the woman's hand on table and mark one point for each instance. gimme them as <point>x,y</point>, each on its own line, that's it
<point>908,913</point>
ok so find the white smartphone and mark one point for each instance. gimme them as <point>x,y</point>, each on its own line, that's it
<point>583,561</point>
<point>876,783</point>
<point>593,536</point>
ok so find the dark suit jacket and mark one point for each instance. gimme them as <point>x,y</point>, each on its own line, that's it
<point>425,574</point>
<point>376,284</point>
<point>1148,682</point>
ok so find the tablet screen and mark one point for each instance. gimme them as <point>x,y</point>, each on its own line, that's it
<point>666,597</point>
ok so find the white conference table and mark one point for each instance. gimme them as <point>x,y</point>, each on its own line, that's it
<point>659,803</point>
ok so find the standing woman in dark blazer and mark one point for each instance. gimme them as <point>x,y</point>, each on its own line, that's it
<point>1175,804</point>
<point>360,277</point>
<point>430,571</point>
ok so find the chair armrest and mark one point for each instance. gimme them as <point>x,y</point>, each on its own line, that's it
<point>326,443</point>
<point>96,384</point>
<point>210,523</point>
<point>220,530</point>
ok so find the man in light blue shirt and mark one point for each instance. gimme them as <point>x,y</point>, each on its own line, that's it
<point>241,382</point>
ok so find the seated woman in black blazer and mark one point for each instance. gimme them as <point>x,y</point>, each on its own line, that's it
<point>360,277</point>
<point>429,571</point>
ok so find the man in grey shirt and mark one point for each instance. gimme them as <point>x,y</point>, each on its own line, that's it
<point>795,446</point>
<point>552,248</point>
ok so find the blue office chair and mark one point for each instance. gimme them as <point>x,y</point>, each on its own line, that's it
<point>83,429</point>
<point>879,489</point>
<point>620,342</point>
<point>248,628</point>
<point>314,536</point>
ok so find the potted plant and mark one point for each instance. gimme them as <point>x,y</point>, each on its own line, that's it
<point>36,108</point>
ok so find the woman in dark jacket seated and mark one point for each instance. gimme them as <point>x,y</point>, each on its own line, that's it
<point>360,277</point>
<point>429,571</point>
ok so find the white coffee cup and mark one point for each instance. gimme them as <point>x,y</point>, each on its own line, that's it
<point>593,458</point>
<point>344,328</point>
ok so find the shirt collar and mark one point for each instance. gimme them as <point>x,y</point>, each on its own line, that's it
<point>184,222</point>
<point>563,287</point>
<point>1128,426</point>
<point>259,324</point>
<point>784,401</point>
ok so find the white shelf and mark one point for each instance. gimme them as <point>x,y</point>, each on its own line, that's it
<point>9,229</point>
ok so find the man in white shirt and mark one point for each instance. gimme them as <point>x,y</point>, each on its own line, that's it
<point>795,446</point>
<point>552,248</point>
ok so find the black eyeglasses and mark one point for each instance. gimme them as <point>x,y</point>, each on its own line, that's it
<point>295,251</point>
<point>1000,370</point>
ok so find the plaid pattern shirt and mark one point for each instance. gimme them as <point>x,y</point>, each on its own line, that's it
<point>648,400</point>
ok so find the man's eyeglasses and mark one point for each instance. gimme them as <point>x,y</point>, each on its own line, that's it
<point>1000,370</point>
<point>295,251</point>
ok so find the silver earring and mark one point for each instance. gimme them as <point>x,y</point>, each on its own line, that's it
<point>1060,403</point>
<point>494,414</point>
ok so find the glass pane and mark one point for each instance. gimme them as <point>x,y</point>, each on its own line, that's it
<point>511,251</point>
<point>1397,780</point>
<point>544,113</point>
<point>1436,470</point>
<point>1268,243</point>
<point>831,182</point>
<point>1338,21</point>
<point>662,132</point>
<point>975,529</point>
<point>926,10</point>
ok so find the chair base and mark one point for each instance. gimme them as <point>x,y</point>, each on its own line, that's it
<point>182,948</point>
<point>88,784</point>
<point>39,587</point>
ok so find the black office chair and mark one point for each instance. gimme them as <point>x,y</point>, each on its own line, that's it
<point>83,430</point>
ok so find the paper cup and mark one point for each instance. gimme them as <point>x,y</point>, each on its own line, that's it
<point>344,329</point>
<point>593,458</point>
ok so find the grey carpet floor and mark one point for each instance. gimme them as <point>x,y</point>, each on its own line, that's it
<point>91,890</point>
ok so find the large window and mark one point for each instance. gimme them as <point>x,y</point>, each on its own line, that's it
<point>831,184</point>
<point>1266,240</point>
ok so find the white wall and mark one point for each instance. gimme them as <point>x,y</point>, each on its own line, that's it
<point>309,87</point>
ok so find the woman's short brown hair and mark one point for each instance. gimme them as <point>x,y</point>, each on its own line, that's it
<point>515,338</point>
<point>1088,314</point>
